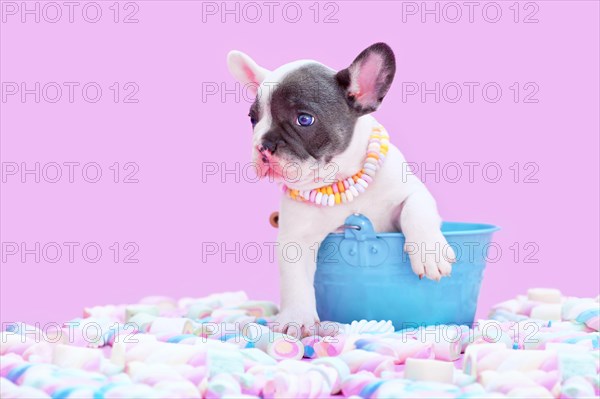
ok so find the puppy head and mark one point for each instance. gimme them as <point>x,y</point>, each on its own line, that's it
<point>304,113</point>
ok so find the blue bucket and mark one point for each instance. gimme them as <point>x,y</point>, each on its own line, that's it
<point>366,275</point>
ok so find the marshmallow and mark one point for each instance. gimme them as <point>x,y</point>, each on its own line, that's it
<point>387,388</point>
<point>259,308</point>
<point>546,295</point>
<point>75,357</point>
<point>551,311</point>
<point>364,326</point>
<point>309,345</point>
<point>574,363</point>
<point>40,352</point>
<point>222,349</point>
<point>253,356</point>
<point>132,310</point>
<point>331,346</point>
<point>429,370</point>
<point>142,321</point>
<point>361,360</point>
<point>582,310</point>
<point>397,347</point>
<point>507,381</point>
<point>116,313</point>
<point>171,325</point>
<point>342,371</point>
<point>221,360</point>
<point>470,363</point>
<point>310,384</point>
<point>162,352</point>
<point>448,351</point>
<point>199,311</point>
<point>178,389</point>
<point>13,342</point>
<point>226,299</point>
<point>164,303</point>
<point>279,346</point>
<point>578,387</point>
<point>479,358</point>
<point>223,385</point>
<point>445,340</point>
<point>540,339</point>
<point>354,384</point>
<point>10,390</point>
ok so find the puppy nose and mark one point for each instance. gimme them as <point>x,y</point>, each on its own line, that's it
<point>268,145</point>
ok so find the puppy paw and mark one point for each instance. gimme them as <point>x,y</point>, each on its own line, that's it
<point>430,255</point>
<point>297,323</point>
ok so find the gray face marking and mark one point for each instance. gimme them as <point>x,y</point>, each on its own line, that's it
<point>254,113</point>
<point>312,89</point>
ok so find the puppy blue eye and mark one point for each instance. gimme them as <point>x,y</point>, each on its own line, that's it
<point>305,120</point>
<point>253,121</point>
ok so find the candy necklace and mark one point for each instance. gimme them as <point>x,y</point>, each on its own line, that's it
<point>346,190</point>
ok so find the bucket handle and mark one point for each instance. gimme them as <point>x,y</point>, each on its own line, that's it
<point>361,246</point>
<point>359,227</point>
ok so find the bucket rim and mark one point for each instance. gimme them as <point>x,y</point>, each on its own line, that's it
<point>470,229</point>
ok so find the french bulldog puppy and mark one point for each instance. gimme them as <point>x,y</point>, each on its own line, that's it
<point>318,120</point>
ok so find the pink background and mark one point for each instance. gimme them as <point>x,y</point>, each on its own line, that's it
<point>171,131</point>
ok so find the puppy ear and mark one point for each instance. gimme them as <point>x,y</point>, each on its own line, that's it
<point>369,77</point>
<point>245,70</point>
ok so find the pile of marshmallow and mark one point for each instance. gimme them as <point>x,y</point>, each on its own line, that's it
<point>541,345</point>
